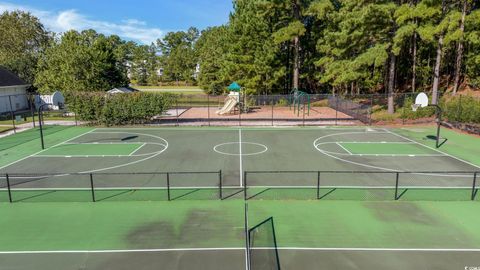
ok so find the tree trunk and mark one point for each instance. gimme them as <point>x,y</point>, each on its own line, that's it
<point>458,62</point>
<point>296,63</point>
<point>436,76</point>
<point>391,83</point>
<point>414,64</point>
<point>296,60</point>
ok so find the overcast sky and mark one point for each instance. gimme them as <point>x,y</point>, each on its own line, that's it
<point>140,20</point>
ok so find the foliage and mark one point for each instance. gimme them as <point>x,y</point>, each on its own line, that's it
<point>119,109</point>
<point>23,40</point>
<point>85,61</point>
<point>179,59</point>
<point>464,109</point>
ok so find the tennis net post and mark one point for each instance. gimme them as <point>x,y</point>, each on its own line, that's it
<point>474,186</point>
<point>318,185</point>
<point>397,178</point>
<point>7,178</point>
<point>92,187</point>
<point>168,187</point>
<point>245,197</point>
<point>220,194</point>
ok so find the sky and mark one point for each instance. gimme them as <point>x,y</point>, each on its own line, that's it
<point>142,21</point>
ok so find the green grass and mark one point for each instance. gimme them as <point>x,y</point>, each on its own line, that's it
<point>120,149</point>
<point>463,146</point>
<point>3,129</point>
<point>386,149</point>
<point>45,118</point>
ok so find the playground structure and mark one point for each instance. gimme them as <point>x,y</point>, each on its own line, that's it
<point>231,102</point>
<point>234,101</point>
<point>299,100</point>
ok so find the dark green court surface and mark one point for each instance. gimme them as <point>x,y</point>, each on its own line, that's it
<point>173,198</point>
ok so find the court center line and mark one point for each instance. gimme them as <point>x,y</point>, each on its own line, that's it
<point>434,149</point>
<point>243,248</point>
<point>346,150</point>
<point>41,151</point>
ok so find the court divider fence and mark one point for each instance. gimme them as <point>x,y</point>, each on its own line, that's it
<point>96,187</point>
<point>361,185</point>
<point>258,185</point>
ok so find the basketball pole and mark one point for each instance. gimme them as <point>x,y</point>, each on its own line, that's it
<point>40,124</point>
<point>439,123</point>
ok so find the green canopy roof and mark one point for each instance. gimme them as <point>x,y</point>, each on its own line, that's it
<point>234,87</point>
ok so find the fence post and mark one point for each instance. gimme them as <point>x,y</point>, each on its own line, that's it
<point>318,185</point>
<point>176,109</point>
<point>208,108</point>
<point>12,114</point>
<point>168,186</point>
<point>403,112</point>
<point>272,100</point>
<point>240,114</point>
<point>336,111</point>
<point>8,188</point>
<point>245,186</point>
<point>303,123</point>
<point>474,187</point>
<point>459,109</point>
<point>92,188</point>
<point>220,194</point>
<point>396,185</point>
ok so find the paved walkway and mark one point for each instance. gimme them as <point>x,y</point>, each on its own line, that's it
<point>27,126</point>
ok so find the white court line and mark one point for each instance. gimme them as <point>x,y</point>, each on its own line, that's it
<point>384,142</point>
<point>136,150</point>
<point>243,248</point>
<point>346,150</point>
<point>34,154</point>
<point>101,143</point>
<point>236,187</point>
<point>434,149</point>
<point>241,157</point>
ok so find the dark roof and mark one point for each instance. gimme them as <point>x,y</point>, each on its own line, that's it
<point>7,78</point>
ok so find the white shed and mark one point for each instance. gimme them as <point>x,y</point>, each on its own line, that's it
<point>13,92</point>
<point>56,99</point>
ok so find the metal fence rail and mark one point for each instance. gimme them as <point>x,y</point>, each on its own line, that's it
<point>361,185</point>
<point>258,185</point>
<point>94,187</point>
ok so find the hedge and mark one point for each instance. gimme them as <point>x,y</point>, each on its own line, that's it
<point>119,109</point>
<point>463,109</point>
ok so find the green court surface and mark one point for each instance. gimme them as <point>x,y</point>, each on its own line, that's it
<point>93,149</point>
<point>341,198</point>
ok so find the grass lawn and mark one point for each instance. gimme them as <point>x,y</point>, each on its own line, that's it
<point>3,129</point>
<point>45,118</point>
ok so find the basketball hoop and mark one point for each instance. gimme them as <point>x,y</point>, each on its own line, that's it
<point>421,101</point>
<point>415,107</point>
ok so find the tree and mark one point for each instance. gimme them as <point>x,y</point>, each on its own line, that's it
<point>145,64</point>
<point>85,61</point>
<point>178,54</point>
<point>211,48</point>
<point>23,39</point>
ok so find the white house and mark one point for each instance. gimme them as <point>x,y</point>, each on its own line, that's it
<point>13,92</point>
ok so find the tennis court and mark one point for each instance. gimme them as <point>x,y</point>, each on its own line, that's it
<point>174,198</point>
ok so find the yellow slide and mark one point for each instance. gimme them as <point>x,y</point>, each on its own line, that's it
<point>230,104</point>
